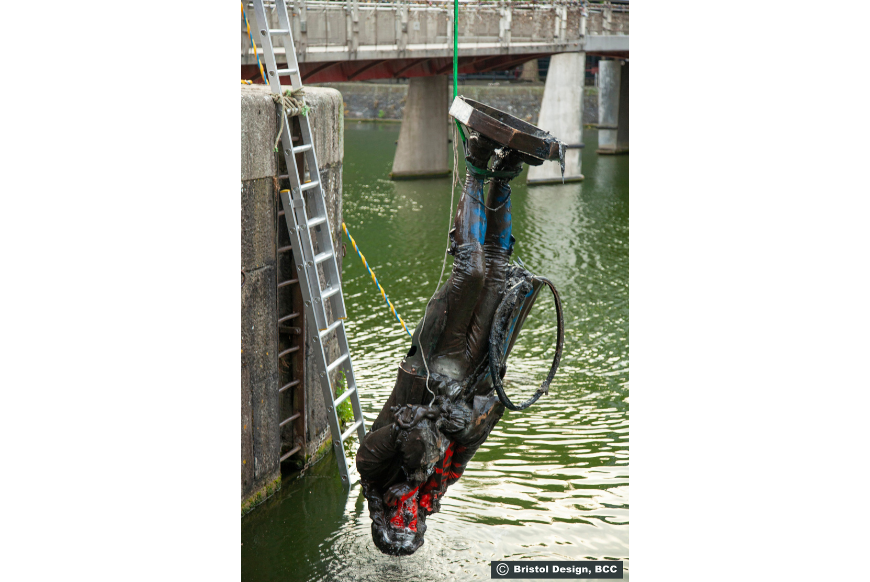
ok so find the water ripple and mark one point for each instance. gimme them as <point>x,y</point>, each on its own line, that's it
<point>550,482</point>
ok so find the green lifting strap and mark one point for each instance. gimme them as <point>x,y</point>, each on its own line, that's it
<point>486,173</point>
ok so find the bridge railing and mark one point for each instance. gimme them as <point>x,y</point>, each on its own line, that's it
<point>346,26</point>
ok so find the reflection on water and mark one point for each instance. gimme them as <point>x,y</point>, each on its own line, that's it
<point>551,482</point>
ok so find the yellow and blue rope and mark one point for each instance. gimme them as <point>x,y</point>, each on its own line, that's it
<point>375,279</point>
<point>253,44</point>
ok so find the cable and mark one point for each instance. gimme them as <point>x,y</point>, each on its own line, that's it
<point>498,336</point>
<point>453,184</point>
<point>375,279</point>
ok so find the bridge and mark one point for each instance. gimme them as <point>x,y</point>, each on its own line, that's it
<point>359,41</point>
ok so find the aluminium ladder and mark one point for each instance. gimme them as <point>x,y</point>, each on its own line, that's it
<point>317,290</point>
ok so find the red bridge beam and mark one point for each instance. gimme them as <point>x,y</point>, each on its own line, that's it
<point>395,68</point>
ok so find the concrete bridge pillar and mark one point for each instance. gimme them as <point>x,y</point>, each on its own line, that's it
<point>612,107</point>
<point>562,115</point>
<point>530,72</point>
<point>422,148</point>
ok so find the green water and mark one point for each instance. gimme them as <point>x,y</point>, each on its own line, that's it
<point>551,482</point>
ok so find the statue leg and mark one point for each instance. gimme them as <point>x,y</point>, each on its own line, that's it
<point>496,249</point>
<point>458,298</point>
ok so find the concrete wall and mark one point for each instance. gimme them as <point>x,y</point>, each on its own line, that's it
<point>261,404</point>
<point>387,101</point>
<point>423,139</point>
<point>259,419</point>
<point>562,115</point>
<point>613,104</point>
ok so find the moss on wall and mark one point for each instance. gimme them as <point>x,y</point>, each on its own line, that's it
<point>262,495</point>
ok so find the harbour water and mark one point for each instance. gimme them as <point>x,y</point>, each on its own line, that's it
<point>551,482</point>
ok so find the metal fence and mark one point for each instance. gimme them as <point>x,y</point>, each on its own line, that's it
<point>347,24</point>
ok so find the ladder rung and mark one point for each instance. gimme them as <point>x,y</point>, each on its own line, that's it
<point>331,327</point>
<point>343,397</point>
<point>288,385</point>
<point>291,452</point>
<point>336,363</point>
<point>331,292</point>
<point>288,351</point>
<point>291,419</point>
<point>288,317</point>
<point>349,431</point>
<point>299,145</point>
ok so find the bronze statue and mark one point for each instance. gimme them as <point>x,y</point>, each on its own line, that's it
<point>448,395</point>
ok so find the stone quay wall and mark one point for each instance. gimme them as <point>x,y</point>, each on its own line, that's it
<point>263,441</point>
<point>386,101</point>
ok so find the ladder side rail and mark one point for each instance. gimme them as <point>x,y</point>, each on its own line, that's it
<point>325,240</point>
<point>295,240</point>
<point>333,278</point>
<point>307,294</point>
<point>275,81</point>
<point>341,335</point>
<point>268,51</point>
<point>331,273</point>
<point>331,412</point>
<point>306,250</point>
<point>289,43</point>
<point>311,272</point>
<point>320,358</point>
<point>318,208</point>
<point>287,150</point>
<point>300,216</point>
<point>275,86</point>
<point>296,218</point>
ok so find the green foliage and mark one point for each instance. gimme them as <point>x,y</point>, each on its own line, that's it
<point>345,411</point>
<point>381,114</point>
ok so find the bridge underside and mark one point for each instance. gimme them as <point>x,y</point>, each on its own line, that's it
<point>365,70</point>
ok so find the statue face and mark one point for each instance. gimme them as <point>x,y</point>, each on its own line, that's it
<point>402,534</point>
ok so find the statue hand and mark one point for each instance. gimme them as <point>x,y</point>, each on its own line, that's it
<point>455,418</point>
<point>408,416</point>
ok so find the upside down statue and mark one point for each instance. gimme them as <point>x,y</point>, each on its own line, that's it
<point>448,395</point>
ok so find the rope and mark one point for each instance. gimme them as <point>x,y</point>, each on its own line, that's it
<point>245,82</point>
<point>289,104</point>
<point>375,279</point>
<point>454,182</point>
<point>253,44</point>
